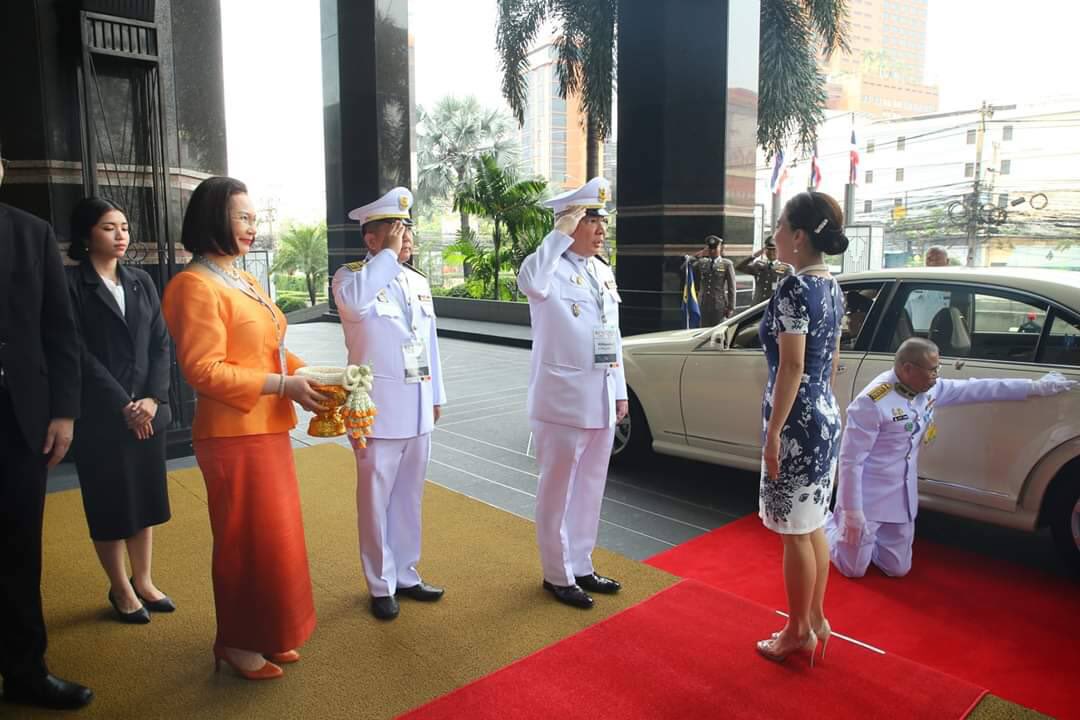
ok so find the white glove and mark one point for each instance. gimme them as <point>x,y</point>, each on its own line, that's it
<point>568,221</point>
<point>852,526</point>
<point>1051,383</point>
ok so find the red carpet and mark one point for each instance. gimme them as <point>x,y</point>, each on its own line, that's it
<point>688,653</point>
<point>1012,630</point>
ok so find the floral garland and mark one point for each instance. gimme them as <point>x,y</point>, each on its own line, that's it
<point>359,412</point>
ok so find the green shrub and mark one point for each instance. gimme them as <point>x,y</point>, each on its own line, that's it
<point>289,304</point>
<point>460,291</point>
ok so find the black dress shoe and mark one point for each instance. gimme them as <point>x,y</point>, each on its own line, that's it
<point>163,605</point>
<point>385,607</point>
<point>570,595</point>
<point>135,617</point>
<point>48,691</point>
<point>422,592</point>
<point>599,584</point>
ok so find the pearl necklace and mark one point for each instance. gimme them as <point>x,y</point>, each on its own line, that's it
<point>230,273</point>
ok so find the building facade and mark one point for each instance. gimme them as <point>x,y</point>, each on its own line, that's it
<point>917,180</point>
<point>884,74</point>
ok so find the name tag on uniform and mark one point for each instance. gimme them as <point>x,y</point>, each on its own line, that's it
<point>417,365</point>
<point>605,346</point>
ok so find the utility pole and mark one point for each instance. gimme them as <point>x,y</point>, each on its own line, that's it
<point>985,112</point>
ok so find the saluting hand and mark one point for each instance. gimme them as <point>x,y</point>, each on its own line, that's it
<point>396,237</point>
<point>299,389</point>
<point>568,221</point>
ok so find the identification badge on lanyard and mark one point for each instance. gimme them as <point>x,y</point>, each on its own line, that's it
<point>605,346</point>
<point>417,365</point>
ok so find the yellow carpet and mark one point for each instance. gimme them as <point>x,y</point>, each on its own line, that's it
<point>354,666</point>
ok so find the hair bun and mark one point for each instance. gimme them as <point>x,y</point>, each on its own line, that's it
<point>831,241</point>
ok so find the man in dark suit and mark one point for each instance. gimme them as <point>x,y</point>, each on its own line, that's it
<point>39,401</point>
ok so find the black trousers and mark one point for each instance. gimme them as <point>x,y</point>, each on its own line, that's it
<point>23,473</point>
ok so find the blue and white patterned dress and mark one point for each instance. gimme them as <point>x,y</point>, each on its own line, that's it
<point>798,500</point>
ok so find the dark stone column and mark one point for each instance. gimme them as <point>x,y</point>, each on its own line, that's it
<point>687,125</point>
<point>365,57</point>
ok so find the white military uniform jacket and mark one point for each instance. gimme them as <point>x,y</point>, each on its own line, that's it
<point>879,453</point>
<point>384,305</point>
<point>564,386</point>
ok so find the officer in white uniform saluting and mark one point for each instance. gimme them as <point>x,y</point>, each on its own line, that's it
<point>389,322</point>
<point>887,423</point>
<point>577,391</point>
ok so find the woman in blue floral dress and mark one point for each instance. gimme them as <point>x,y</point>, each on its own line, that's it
<point>800,334</point>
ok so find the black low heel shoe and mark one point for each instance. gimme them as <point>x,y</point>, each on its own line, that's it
<point>135,617</point>
<point>164,605</point>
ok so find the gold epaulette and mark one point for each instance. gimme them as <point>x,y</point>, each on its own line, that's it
<point>356,265</point>
<point>880,391</point>
<point>415,270</point>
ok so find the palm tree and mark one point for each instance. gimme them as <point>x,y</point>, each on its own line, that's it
<point>586,63</point>
<point>791,89</point>
<point>302,248</point>
<point>511,204</point>
<point>449,139</point>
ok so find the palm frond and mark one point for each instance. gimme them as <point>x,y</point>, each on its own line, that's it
<point>519,22</point>
<point>830,20</point>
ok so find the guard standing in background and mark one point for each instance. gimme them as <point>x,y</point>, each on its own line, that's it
<point>388,318</point>
<point>767,272</point>
<point>577,390</point>
<point>716,276</point>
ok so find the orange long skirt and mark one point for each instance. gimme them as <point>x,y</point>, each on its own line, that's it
<point>262,584</point>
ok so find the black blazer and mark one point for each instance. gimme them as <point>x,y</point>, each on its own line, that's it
<point>125,357</point>
<point>39,348</point>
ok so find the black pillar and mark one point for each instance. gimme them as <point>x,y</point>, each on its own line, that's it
<point>688,85</point>
<point>366,112</point>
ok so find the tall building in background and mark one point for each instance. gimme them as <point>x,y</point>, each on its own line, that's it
<point>553,136</point>
<point>884,74</point>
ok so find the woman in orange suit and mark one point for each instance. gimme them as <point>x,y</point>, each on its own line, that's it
<point>230,344</point>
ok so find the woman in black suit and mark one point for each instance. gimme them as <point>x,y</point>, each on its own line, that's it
<point>120,436</point>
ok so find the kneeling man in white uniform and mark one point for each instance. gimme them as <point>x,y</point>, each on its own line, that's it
<point>887,424</point>
<point>389,322</point>
<point>577,391</point>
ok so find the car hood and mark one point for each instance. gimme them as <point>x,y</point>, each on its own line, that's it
<point>666,337</point>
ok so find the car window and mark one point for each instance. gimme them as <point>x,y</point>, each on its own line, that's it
<point>746,334</point>
<point>858,303</point>
<point>1005,327</point>
<point>1062,343</point>
<point>918,307</point>
<point>966,322</point>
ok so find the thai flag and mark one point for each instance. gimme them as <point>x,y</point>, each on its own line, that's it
<point>815,170</point>
<point>691,309</point>
<point>779,173</point>
<point>854,176</point>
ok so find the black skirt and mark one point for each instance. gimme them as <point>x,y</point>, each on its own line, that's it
<point>123,480</point>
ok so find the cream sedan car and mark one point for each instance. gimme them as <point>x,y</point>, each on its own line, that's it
<point>697,393</point>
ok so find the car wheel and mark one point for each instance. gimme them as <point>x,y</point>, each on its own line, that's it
<point>1065,523</point>
<point>632,436</point>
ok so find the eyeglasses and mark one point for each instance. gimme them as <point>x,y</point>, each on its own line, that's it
<point>249,220</point>
<point>596,220</point>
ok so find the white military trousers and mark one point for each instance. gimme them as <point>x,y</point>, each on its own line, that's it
<point>573,471</point>
<point>389,491</point>
<point>887,545</point>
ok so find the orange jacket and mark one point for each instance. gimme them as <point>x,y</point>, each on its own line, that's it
<point>226,345</point>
